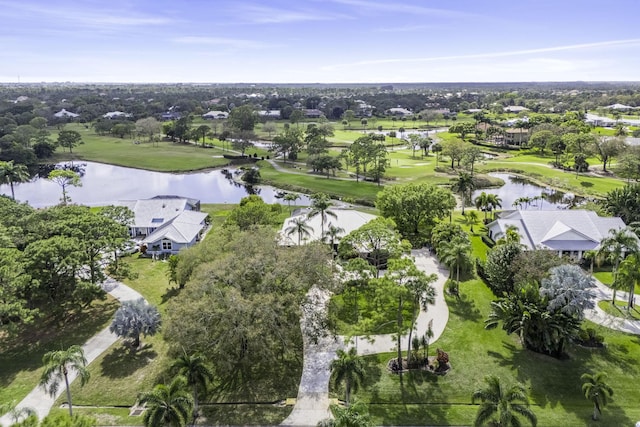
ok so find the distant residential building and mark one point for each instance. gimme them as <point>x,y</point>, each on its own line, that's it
<point>64,114</point>
<point>170,115</point>
<point>270,114</point>
<point>619,107</point>
<point>515,109</point>
<point>211,115</point>
<point>516,136</point>
<point>312,113</point>
<point>399,112</point>
<point>117,115</point>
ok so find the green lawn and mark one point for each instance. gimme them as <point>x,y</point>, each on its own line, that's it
<point>163,156</point>
<point>620,310</point>
<point>21,356</point>
<point>422,399</point>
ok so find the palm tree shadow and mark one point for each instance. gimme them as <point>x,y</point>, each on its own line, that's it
<point>465,307</point>
<point>170,293</point>
<point>122,362</point>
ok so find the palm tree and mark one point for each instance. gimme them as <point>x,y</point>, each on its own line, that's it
<point>355,415</point>
<point>300,226</point>
<point>167,405</point>
<point>290,197</point>
<point>597,391</point>
<point>464,186</point>
<point>333,232</point>
<point>502,405</point>
<point>615,246</point>
<point>481,203</point>
<point>11,173</point>
<point>628,276</point>
<point>57,364</point>
<point>194,368</point>
<point>454,253</point>
<point>511,235</point>
<point>320,204</point>
<point>348,368</point>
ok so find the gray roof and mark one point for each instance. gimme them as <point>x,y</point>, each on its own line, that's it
<point>183,229</point>
<point>156,211</point>
<point>347,219</point>
<point>558,229</point>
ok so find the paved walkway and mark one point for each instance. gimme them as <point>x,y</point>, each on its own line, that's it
<point>598,315</point>
<point>312,404</point>
<point>41,401</point>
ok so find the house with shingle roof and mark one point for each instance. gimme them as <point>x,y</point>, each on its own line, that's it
<point>568,232</point>
<point>167,223</point>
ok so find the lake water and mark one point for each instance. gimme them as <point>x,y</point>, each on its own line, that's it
<point>104,184</point>
<point>515,187</point>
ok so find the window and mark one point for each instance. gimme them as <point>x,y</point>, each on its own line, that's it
<point>166,245</point>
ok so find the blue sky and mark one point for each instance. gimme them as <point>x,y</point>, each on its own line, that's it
<point>326,41</point>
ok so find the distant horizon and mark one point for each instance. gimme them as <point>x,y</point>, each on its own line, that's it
<point>325,41</point>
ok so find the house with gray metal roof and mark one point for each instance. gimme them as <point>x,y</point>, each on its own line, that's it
<point>166,223</point>
<point>569,232</point>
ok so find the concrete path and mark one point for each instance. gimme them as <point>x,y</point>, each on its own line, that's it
<point>438,313</point>
<point>598,315</point>
<point>41,401</point>
<point>312,404</point>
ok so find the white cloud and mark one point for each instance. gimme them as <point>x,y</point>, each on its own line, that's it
<point>220,41</point>
<point>257,14</point>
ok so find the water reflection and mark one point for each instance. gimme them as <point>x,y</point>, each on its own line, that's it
<point>527,195</point>
<point>103,184</point>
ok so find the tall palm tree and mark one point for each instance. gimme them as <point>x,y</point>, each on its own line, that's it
<point>167,405</point>
<point>291,197</point>
<point>320,204</point>
<point>57,364</point>
<point>615,246</point>
<point>502,405</point>
<point>11,173</point>
<point>299,226</point>
<point>464,185</point>
<point>194,368</point>
<point>597,391</point>
<point>333,232</point>
<point>348,368</point>
<point>454,253</point>
<point>628,276</point>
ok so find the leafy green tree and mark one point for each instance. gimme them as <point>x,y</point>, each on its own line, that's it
<point>543,139</point>
<point>243,118</point>
<point>624,202</point>
<point>376,241</point>
<point>134,318</point>
<point>269,127</point>
<point>471,156</point>
<point>65,420</point>
<point>445,232</point>
<point>253,211</point>
<point>167,404</point>
<point>248,307</point>
<point>348,368</point>
<point>201,132</point>
<point>288,143</point>
<point>497,267</point>
<point>194,368</point>
<point>597,391</point>
<point>12,173</point>
<point>300,227</point>
<point>69,139</point>
<point>415,207</point>
<point>487,202</point>
<point>606,148</point>
<point>502,405</point>
<point>320,204</point>
<point>57,364</point>
<point>291,197</point>
<point>148,127</point>
<point>454,149</point>
<point>65,178</point>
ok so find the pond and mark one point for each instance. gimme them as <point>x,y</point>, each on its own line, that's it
<point>519,188</point>
<point>104,184</point>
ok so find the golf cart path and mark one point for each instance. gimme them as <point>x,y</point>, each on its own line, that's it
<point>39,400</point>
<point>599,316</point>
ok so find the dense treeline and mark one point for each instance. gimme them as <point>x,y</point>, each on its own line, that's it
<point>51,259</point>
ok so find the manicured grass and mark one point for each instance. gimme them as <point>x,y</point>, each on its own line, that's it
<point>554,385</point>
<point>605,277</point>
<point>163,156</point>
<point>620,310</point>
<point>21,356</point>
<point>364,191</point>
